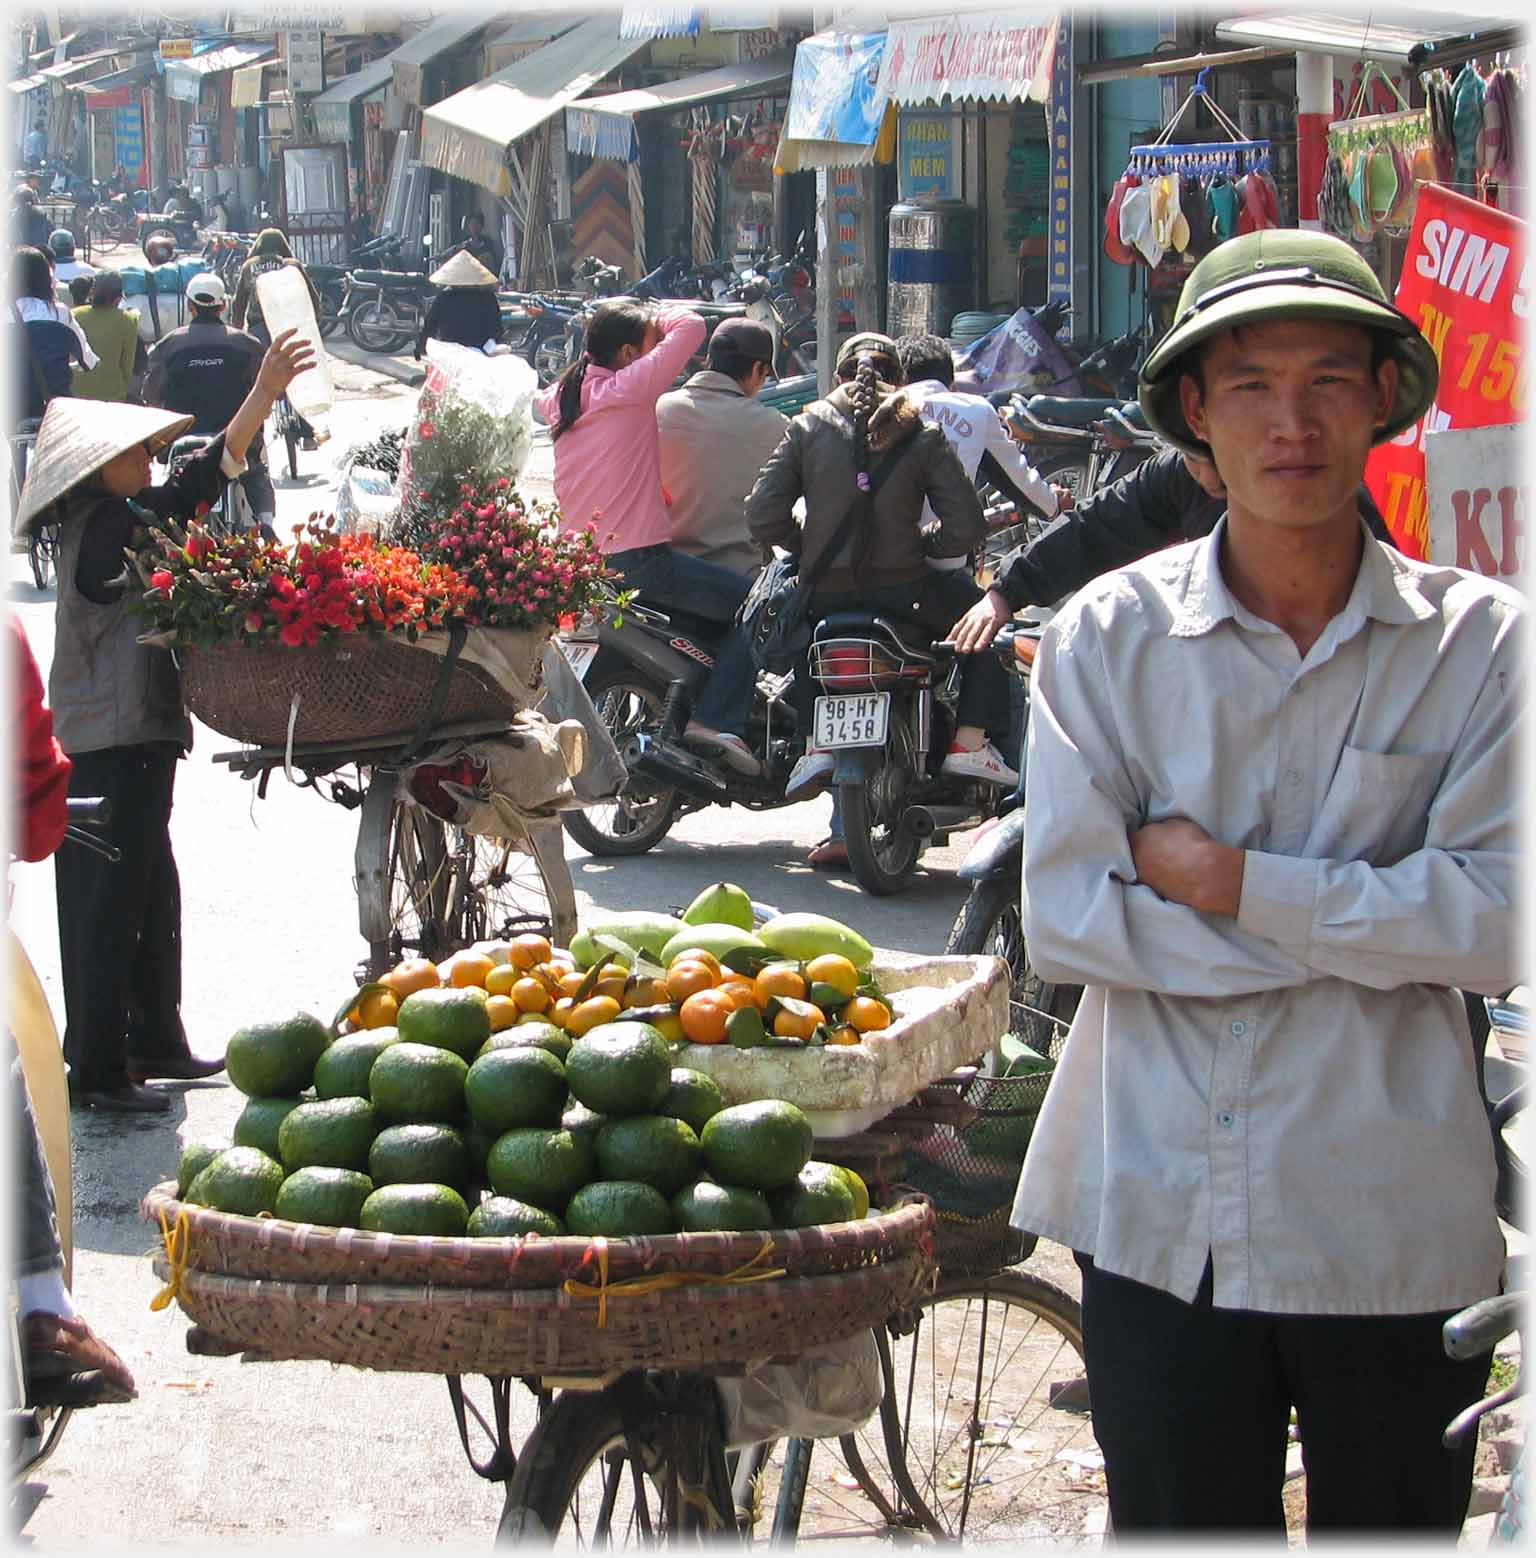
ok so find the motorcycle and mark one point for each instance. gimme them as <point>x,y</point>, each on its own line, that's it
<point>383,309</point>
<point>1082,443</point>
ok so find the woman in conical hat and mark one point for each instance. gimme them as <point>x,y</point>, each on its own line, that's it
<point>118,714</point>
<point>465,311</point>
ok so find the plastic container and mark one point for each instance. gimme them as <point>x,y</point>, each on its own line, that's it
<point>286,305</point>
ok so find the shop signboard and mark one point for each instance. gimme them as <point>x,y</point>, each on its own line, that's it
<point>1466,284</point>
<point>1059,111</point>
<point>128,133</point>
<point>834,94</point>
<point>926,156</point>
<point>1477,505</point>
<point>176,48</point>
<point>987,54</point>
<point>306,60</point>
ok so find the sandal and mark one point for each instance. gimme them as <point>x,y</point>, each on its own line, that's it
<point>65,1363</point>
<point>829,855</point>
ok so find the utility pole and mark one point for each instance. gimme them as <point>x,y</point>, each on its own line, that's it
<point>826,256</point>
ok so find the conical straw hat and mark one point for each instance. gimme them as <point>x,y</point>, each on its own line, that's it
<point>78,437</point>
<point>463,270</point>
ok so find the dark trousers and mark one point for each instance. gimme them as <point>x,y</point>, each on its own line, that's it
<point>120,925</point>
<point>1191,1404</point>
<point>935,602</point>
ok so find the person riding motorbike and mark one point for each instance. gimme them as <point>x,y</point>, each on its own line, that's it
<point>205,369</point>
<point>465,311</point>
<point>826,457</point>
<point>479,244</point>
<point>49,338</point>
<point>602,411</point>
<point>29,227</point>
<point>715,437</point>
<point>269,252</point>
<point>119,714</point>
<point>61,245</point>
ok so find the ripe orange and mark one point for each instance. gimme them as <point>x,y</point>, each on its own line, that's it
<point>377,1009</point>
<point>688,978</point>
<point>503,1012</point>
<point>530,995</point>
<point>698,955</point>
<point>867,1014</point>
<point>798,1025</point>
<point>704,1016</point>
<point>670,1027</point>
<point>740,989</point>
<point>644,991</point>
<point>592,1012</point>
<point>843,1034</point>
<point>501,979</point>
<point>831,968</point>
<point>528,950</point>
<point>471,968</point>
<point>571,982</point>
<point>560,1012</point>
<point>778,979</point>
<point>410,976</point>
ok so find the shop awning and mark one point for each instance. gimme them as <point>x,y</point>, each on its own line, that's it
<point>641,19</point>
<point>1357,36</point>
<point>131,76</point>
<point>245,86</point>
<point>333,107</point>
<point>980,55</point>
<point>468,135</point>
<point>605,126</point>
<point>837,117</point>
<point>184,78</point>
<point>415,54</point>
<point>28,83</point>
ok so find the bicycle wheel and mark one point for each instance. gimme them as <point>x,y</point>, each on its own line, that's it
<point>641,817</point>
<point>986,1415</point>
<point>421,868</point>
<point>639,1464</point>
<point>40,549</point>
<point>991,923</point>
<point>504,893</point>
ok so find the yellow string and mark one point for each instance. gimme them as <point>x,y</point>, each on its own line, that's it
<point>636,1287</point>
<point>178,1248</point>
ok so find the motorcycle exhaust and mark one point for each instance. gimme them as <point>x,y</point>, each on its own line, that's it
<point>674,767</point>
<point>918,822</point>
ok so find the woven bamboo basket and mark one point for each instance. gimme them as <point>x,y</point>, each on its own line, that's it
<point>436,1330</point>
<point>363,690</point>
<point>222,1244</point>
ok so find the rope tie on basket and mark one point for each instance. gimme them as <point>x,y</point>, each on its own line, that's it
<point>178,1250</point>
<point>638,1287</point>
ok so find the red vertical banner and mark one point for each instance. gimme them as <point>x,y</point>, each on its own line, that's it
<point>1465,285</point>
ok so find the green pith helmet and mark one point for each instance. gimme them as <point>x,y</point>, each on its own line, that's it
<point>1283,273</point>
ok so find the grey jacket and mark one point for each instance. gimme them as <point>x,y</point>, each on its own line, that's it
<point>815,460</point>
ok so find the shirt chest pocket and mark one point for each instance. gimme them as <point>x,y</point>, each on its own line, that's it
<point>1377,807</point>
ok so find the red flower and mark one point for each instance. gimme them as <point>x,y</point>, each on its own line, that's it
<point>161,579</point>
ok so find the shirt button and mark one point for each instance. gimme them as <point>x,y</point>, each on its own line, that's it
<point>1293,776</point>
<point>1225,1119</point>
<point>1239,1029</point>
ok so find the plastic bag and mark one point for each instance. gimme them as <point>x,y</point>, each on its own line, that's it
<point>366,502</point>
<point>474,421</point>
<point>1016,354</point>
<point>829,1390</point>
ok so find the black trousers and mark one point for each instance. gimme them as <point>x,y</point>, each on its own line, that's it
<point>1191,1404</point>
<point>120,925</point>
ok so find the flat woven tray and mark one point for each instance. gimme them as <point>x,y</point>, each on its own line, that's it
<point>219,1243</point>
<point>435,1330</point>
<point>353,691</point>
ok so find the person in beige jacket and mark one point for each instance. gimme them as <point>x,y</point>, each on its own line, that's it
<point>113,332</point>
<point>715,437</point>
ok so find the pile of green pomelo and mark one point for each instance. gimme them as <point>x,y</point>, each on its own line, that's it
<point>440,1126</point>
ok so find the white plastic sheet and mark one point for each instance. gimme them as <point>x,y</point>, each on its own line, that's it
<point>827,1391</point>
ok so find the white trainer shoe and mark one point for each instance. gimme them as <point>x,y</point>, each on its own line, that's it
<point>811,775</point>
<point>985,763</point>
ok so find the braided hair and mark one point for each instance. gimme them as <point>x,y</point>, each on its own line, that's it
<point>612,327</point>
<point>865,392</point>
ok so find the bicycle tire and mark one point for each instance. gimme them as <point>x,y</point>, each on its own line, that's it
<point>991,921</point>
<point>579,1469</point>
<point>979,1446</point>
<point>635,822</point>
<point>420,874</point>
<point>503,890</point>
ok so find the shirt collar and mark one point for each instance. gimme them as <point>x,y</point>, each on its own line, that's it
<point>1386,588</point>
<point>711,379</point>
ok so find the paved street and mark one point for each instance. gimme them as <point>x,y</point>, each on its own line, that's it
<point>219,1452</point>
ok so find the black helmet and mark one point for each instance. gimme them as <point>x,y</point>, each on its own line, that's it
<point>62,242</point>
<point>25,195</point>
<point>159,251</point>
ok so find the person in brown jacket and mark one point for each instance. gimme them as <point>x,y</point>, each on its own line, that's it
<point>828,455</point>
<point>113,332</point>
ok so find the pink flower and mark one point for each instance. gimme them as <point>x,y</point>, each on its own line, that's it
<point>427,430</point>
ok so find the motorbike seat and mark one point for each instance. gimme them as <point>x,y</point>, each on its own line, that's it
<point>1066,412</point>
<point>683,620</point>
<point>913,640</point>
<point>397,279</point>
<point>717,311</point>
<point>1133,414</point>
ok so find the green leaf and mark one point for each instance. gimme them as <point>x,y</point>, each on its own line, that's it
<point>745,1028</point>
<point>617,947</point>
<point>586,987</point>
<point>745,960</point>
<point>828,997</point>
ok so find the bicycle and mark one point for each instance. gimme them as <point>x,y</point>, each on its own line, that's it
<point>43,539</point>
<point>291,430</point>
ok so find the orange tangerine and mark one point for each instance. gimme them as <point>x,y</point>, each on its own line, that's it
<point>645,991</point>
<point>867,1014</point>
<point>843,1034</point>
<point>833,969</point>
<point>670,1027</point>
<point>527,950</point>
<point>798,1025</point>
<point>570,983</point>
<point>377,1009</point>
<point>688,978</point>
<point>410,976</point>
<point>698,955</point>
<point>778,979</point>
<point>592,1013</point>
<point>613,985</point>
<point>530,995</point>
<point>471,968</point>
<point>503,1012</point>
<point>560,1012</point>
<point>740,989</point>
<point>501,979</point>
<point>704,1016</point>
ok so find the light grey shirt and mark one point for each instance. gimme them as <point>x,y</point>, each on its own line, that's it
<point>1292,1090</point>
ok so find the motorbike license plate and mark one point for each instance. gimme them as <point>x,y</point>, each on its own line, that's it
<point>581,656</point>
<point>856,720</point>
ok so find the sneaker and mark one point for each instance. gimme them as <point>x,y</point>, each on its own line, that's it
<point>733,751</point>
<point>985,763</point>
<point>810,776</point>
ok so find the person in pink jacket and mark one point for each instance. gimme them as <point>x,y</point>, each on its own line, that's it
<point>608,475</point>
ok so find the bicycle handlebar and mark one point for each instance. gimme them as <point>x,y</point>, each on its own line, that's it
<point>89,812</point>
